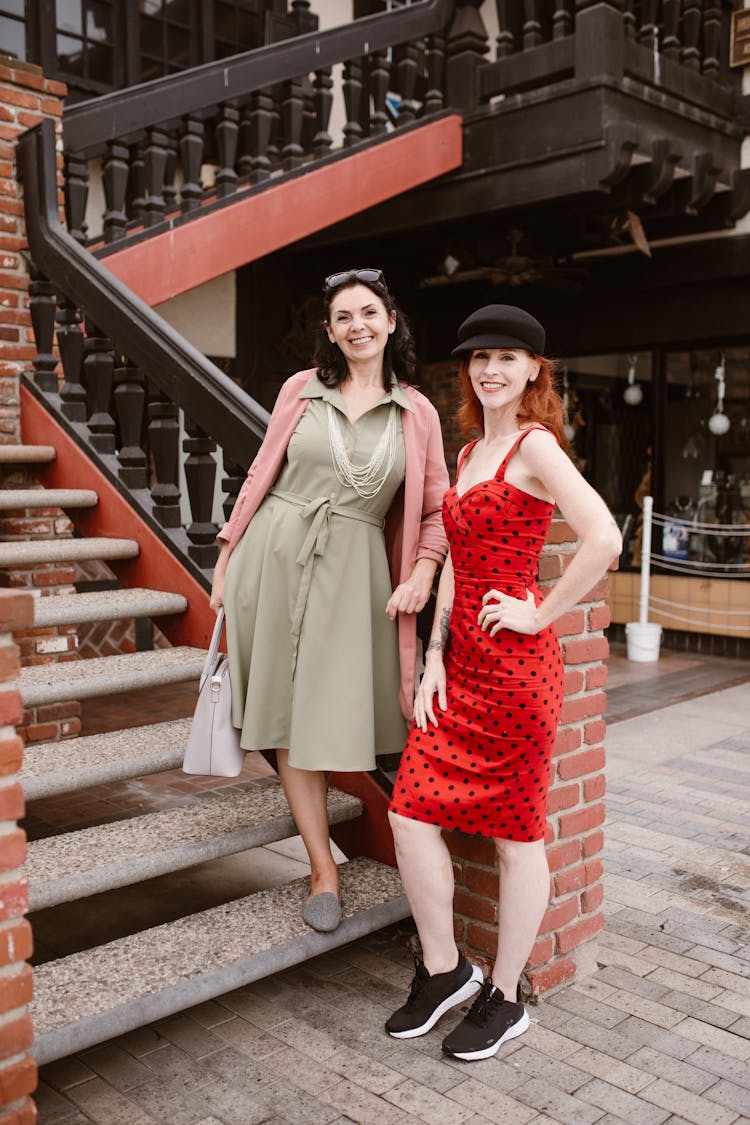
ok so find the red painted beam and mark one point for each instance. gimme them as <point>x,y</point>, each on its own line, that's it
<point>177,260</point>
<point>155,567</point>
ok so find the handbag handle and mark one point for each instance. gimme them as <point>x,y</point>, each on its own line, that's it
<point>213,648</point>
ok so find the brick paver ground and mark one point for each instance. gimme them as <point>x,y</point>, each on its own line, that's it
<point>659,1033</point>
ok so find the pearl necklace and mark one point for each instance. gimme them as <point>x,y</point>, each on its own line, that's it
<point>366,480</point>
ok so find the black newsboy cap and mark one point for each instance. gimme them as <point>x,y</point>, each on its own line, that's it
<point>500,326</point>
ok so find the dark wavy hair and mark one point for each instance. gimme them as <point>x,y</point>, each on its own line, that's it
<point>399,359</point>
<point>540,402</point>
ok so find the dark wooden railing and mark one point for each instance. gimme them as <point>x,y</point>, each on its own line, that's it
<point>251,117</point>
<point>128,376</point>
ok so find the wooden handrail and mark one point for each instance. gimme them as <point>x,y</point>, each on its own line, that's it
<point>171,363</point>
<point>123,113</point>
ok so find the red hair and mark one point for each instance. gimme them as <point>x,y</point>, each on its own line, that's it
<point>540,402</point>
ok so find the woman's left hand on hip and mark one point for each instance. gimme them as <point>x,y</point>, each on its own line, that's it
<point>501,611</point>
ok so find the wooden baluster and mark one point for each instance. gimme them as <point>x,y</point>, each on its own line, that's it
<point>200,475</point>
<point>136,205</point>
<point>466,47</point>
<point>170,170</point>
<point>130,403</point>
<point>323,97</point>
<point>670,44</point>
<point>508,39</point>
<point>164,443</point>
<point>434,99</point>
<point>532,24</point>
<point>260,120</point>
<point>245,142</point>
<point>155,156</point>
<point>378,82</point>
<point>227,135</point>
<point>76,175</point>
<point>273,148</point>
<point>292,113</point>
<point>711,38</point>
<point>648,32</point>
<point>628,18</point>
<point>562,19</point>
<point>231,483</point>
<point>191,158</point>
<point>353,101</point>
<point>98,370</point>
<point>309,117</point>
<point>406,65</point>
<point>690,55</point>
<point>70,345</point>
<point>43,308</point>
<point>115,173</point>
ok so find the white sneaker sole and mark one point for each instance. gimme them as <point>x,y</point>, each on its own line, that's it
<point>465,992</point>
<point>487,1052</point>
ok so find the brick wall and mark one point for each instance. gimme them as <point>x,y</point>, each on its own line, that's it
<point>26,97</point>
<point>17,1068</point>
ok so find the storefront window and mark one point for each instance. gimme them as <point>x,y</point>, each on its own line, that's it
<point>610,409</point>
<point>237,27</point>
<point>12,29</point>
<point>165,36</point>
<point>707,453</point>
<point>85,46</point>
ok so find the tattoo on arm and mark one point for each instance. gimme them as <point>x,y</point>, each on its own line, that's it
<point>438,645</point>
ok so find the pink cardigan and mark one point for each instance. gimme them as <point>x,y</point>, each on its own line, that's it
<point>414,524</point>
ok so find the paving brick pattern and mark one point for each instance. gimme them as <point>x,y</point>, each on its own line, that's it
<point>660,1033</point>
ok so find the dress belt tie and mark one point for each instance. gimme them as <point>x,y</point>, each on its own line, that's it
<point>319,511</point>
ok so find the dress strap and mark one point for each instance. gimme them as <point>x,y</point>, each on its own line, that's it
<point>500,474</point>
<point>463,455</point>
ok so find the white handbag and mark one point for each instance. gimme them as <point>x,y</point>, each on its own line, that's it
<point>213,745</point>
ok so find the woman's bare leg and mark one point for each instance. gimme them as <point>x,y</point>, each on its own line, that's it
<point>426,871</point>
<point>305,791</point>
<point>524,894</point>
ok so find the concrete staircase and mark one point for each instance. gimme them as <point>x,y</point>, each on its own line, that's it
<point>90,996</point>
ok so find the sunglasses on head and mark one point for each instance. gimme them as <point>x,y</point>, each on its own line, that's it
<point>334,280</point>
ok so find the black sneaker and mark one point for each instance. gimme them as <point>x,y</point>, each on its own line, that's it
<point>489,1023</point>
<point>432,996</point>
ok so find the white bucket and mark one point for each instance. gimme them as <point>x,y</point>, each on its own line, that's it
<point>643,641</point>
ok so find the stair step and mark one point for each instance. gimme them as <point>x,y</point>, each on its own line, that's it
<point>26,454</point>
<point>51,768</point>
<point>106,605</point>
<point>28,552</point>
<point>92,996</point>
<point>47,498</point>
<point>91,860</point>
<point>106,675</point>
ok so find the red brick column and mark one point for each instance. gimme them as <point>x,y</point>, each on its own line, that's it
<point>17,1068</point>
<point>575,813</point>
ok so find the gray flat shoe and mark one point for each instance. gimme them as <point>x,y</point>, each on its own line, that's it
<point>322,912</point>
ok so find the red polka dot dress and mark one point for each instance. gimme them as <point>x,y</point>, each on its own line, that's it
<point>485,768</point>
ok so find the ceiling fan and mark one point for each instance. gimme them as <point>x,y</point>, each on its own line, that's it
<point>511,270</point>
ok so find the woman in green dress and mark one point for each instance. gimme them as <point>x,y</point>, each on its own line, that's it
<point>329,554</point>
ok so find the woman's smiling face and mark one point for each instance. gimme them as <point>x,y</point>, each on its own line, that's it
<point>359,323</point>
<point>499,376</point>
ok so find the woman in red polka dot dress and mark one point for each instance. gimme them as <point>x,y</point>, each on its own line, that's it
<point>479,761</point>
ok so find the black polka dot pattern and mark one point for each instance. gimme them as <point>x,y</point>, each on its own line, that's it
<point>485,770</point>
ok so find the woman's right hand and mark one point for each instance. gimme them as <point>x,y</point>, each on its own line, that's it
<point>217,592</point>
<point>432,681</point>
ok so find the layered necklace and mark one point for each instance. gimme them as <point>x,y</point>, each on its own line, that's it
<point>366,480</point>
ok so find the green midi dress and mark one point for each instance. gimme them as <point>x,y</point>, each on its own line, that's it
<point>313,658</point>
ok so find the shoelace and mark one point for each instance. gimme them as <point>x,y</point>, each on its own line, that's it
<point>417,984</point>
<point>486,1004</point>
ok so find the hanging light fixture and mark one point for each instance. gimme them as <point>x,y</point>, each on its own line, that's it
<point>569,430</point>
<point>719,423</point>
<point>633,393</point>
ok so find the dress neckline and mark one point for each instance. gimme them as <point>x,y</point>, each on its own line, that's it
<point>499,476</point>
